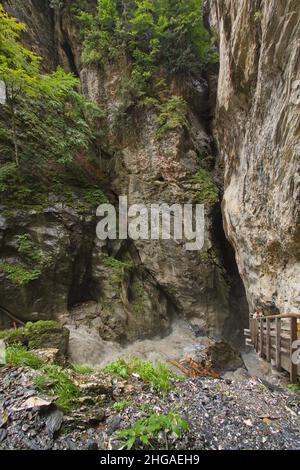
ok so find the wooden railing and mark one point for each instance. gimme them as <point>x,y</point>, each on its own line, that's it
<point>15,321</point>
<point>273,338</point>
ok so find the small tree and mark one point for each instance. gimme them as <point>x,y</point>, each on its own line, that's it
<point>20,71</point>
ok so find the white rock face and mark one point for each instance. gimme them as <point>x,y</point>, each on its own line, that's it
<point>257,128</point>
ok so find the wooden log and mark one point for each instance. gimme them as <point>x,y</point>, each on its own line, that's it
<point>294,368</point>
<point>278,344</point>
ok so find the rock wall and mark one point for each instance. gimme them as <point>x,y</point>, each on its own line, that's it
<point>257,128</point>
<point>164,279</point>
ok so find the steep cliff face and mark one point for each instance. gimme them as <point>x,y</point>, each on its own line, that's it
<point>139,286</point>
<point>257,128</point>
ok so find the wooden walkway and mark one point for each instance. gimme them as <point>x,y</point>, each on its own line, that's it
<point>274,340</point>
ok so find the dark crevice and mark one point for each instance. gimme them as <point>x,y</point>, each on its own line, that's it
<point>238,305</point>
<point>70,56</point>
<point>82,286</point>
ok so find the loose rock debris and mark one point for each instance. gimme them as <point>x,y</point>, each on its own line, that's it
<point>220,414</point>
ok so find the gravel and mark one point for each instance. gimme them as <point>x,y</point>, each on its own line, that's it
<point>221,414</point>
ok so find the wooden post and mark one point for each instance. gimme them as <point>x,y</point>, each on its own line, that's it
<point>278,343</point>
<point>261,346</point>
<point>257,335</point>
<point>268,340</point>
<point>254,333</point>
<point>294,368</point>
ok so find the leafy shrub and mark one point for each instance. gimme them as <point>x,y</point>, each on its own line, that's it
<point>8,174</point>
<point>208,192</point>
<point>172,116</point>
<point>145,430</point>
<point>116,264</point>
<point>155,33</point>
<point>119,368</point>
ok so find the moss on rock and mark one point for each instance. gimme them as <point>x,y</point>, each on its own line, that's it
<point>39,335</point>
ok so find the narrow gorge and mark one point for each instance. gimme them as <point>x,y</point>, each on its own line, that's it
<point>164,102</point>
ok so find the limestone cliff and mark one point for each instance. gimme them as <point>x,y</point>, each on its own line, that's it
<point>257,128</point>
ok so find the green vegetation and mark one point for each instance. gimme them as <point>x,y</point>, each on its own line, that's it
<point>172,116</point>
<point>55,380</point>
<point>13,337</point>
<point>82,369</point>
<point>18,356</point>
<point>294,387</point>
<point>208,192</point>
<point>18,274</point>
<point>121,405</point>
<point>49,130</point>
<point>145,430</point>
<point>119,368</point>
<point>140,296</point>
<point>31,265</point>
<point>258,15</point>
<point>116,264</point>
<point>20,71</point>
<point>118,267</point>
<point>160,37</point>
<point>158,375</point>
<point>35,335</point>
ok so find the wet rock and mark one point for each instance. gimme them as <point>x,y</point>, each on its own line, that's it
<point>224,357</point>
<point>4,416</point>
<point>3,434</point>
<point>97,384</point>
<point>114,424</point>
<point>35,403</point>
<point>54,422</point>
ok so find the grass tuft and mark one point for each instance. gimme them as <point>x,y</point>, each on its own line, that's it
<point>18,356</point>
<point>157,375</point>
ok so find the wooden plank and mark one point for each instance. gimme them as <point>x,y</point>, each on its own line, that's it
<point>261,337</point>
<point>294,368</point>
<point>278,344</point>
<point>255,334</point>
<point>268,340</point>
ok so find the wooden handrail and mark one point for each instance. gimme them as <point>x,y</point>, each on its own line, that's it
<point>285,315</point>
<point>11,316</point>
<point>269,336</point>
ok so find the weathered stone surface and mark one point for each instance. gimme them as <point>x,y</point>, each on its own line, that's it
<point>49,356</point>
<point>165,279</point>
<point>257,128</point>
<point>223,357</point>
